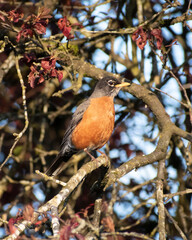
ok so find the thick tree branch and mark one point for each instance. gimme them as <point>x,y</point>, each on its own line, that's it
<point>61,197</point>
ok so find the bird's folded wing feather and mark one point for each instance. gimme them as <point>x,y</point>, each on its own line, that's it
<point>67,150</point>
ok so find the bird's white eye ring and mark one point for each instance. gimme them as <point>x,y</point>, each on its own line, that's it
<point>111,83</point>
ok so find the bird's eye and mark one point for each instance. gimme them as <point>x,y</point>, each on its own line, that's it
<point>111,83</point>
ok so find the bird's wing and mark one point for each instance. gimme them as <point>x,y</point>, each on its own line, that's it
<point>67,150</point>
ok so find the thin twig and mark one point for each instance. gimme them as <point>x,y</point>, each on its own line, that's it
<point>161,208</point>
<point>184,104</point>
<point>179,83</point>
<point>188,9</point>
<point>1,140</point>
<point>171,195</point>
<point>126,234</point>
<point>176,225</point>
<point>126,30</point>
<point>147,215</point>
<point>18,136</point>
<point>185,94</point>
<point>48,178</point>
<point>137,187</point>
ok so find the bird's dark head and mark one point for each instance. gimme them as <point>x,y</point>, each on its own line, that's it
<point>108,86</point>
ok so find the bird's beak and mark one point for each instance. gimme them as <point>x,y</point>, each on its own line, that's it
<point>123,84</point>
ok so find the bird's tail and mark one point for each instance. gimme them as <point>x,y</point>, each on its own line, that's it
<point>58,164</point>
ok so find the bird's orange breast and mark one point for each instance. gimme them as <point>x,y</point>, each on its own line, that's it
<point>96,126</point>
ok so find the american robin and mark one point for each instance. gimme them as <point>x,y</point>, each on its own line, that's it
<point>92,123</point>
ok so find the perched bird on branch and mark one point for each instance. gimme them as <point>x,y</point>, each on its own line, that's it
<point>92,123</point>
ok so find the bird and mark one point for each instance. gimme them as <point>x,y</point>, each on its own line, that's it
<point>92,123</point>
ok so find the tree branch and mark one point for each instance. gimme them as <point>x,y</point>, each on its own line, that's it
<point>160,205</point>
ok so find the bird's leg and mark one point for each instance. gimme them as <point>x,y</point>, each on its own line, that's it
<point>102,153</point>
<point>92,157</point>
